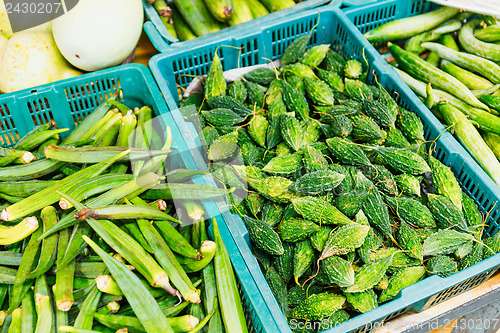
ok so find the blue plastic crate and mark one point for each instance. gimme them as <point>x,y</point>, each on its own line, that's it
<point>68,102</point>
<point>176,68</point>
<point>373,15</point>
<point>163,40</point>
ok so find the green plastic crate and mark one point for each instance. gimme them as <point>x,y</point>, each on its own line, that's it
<point>68,102</point>
<point>268,42</point>
<point>163,40</point>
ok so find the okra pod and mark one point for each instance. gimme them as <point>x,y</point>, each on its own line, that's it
<point>62,317</point>
<point>178,324</point>
<point>76,244</point>
<point>415,66</point>
<point>126,246</point>
<point>22,284</point>
<point>133,230</point>
<point>159,204</point>
<point>470,80</point>
<point>90,122</point>
<point>29,313</point>
<point>18,232</point>
<point>192,265</point>
<point>109,138</point>
<point>131,188</point>
<point>40,128</point>
<point>89,270</point>
<point>141,301</point>
<point>207,318</point>
<point>127,128</point>
<point>94,186</point>
<point>24,188</point>
<point>97,154</point>
<point>9,258</point>
<point>469,136</point>
<point>169,263</point>
<point>194,210</point>
<point>45,314</point>
<point>474,63</point>
<point>70,329</point>
<point>143,134</point>
<point>121,107</point>
<point>106,284</point>
<point>48,196</point>
<point>117,212</point>
<point>17,321</point>
<point>33,170</point>
<point>475,46</point>
<point>176,242</point>
<point>107,126</point>
<point>41,148</point>
<point>184,192</point>
<point>155,163</point>
<point>49,244</point>
<point>65,274</point>
<point>85,317</point>
<point>7,275</point>
<point>29,142</point>
<point>411,26</point>
<point>180,175</point>
<point>17,156</point>
<point>9,198</point>
<point>209,289</point>
<point>227,289</point>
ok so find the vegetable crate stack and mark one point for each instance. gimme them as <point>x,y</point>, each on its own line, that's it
<point>175,22</point>
<point>91,239</point>
<point>352,211</point>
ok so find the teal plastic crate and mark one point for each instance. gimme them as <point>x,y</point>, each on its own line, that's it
<point>163,40</point>
<point>68,102</point>
<point>176,68</point>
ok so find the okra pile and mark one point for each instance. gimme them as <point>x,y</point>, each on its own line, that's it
<point>90,240</point>
<point>451,63</point>
<point>344,206</point>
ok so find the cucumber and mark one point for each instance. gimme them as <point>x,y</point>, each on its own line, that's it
<point>182,29</point>
<point>241,13</point>
<point>275,5</point>
<point>222,10</point>
<point>257,8</point>
<point>198,17</point>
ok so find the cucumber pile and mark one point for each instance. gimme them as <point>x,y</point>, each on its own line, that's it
<point>450,60</point>
<point>345,207</point>
<point>88,243</point>
<point>189,19</point>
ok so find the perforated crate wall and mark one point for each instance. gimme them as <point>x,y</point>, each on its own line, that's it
<point>268,43</point>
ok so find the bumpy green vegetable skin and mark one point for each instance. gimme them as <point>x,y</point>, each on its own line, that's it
<point>318,306</point>
<point>295,229</point>
<point>402,279</point>
<point>263,236</point>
